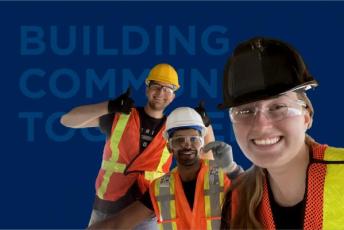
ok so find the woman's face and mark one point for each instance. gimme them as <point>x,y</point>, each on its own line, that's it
<point>270,139</point>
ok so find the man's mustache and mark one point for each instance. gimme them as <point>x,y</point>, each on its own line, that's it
<point>182,151</point>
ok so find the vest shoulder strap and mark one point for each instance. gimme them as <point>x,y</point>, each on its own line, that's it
<point>334,154</point>
<point>331,155</point>
<point>213,194</point>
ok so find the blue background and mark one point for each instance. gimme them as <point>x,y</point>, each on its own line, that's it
<point>50,184</point>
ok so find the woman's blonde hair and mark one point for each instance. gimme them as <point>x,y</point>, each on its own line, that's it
<point>250,187</point>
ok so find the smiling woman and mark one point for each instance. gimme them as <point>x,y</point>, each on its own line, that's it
<point>294,181</point>
<point>274,134</point>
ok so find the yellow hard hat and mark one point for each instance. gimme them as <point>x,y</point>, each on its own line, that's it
<point>163,73</point>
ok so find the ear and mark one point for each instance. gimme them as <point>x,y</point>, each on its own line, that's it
<point>147,91</point>
<point>308,120</point>
<point>172,97</point>
<point>169,147</point>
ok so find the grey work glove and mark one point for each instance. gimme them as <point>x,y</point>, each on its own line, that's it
<point>122,104</point>
<point>223,155</point>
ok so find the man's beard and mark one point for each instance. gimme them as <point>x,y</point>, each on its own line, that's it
<point>187,157</point>
<point>157,107</point>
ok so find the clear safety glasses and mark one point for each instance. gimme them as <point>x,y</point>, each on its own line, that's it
<point>274,111</point>
<point>182,141</point>
<point>157,88</point>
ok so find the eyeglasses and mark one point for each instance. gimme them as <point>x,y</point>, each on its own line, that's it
<point>274,112</point>
<point>165,89</point>
<point>180,141</point>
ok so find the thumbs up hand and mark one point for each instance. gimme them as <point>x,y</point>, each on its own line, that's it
<point>201,110</point>
<point>122,104</point>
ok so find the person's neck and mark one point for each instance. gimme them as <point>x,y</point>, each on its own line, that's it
<point>188,173</point>
<point>158,114</point>
<point>288,183</point>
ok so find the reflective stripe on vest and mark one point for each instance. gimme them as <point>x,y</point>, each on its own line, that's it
<point>164,190</point>
<point>110,166</point>
<point>333,199</point>
<point>213,195</point>
<point>152,175</point>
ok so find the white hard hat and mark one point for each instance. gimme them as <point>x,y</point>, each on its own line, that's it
<point>184,117</point>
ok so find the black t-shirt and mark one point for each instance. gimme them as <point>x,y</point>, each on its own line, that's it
<point>189,188</point>
<point>287,217</point>
<point>149,126</point>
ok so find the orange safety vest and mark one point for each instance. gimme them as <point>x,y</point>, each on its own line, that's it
<point>123,147</point>
<point>325,188</point>
<point>171,205</point>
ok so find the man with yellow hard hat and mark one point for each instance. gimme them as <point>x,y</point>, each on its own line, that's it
<point>135,151</point>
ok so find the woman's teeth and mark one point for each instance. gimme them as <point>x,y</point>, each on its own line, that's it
<point>266,141</point>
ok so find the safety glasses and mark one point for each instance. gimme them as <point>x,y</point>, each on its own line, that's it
<point>183,141</point>
<point>157,88</point>
<point>275,111</point>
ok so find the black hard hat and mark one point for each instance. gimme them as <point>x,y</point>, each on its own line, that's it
<point>261,68</point>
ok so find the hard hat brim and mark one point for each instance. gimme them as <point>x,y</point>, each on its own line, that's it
<point>265,94</point>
